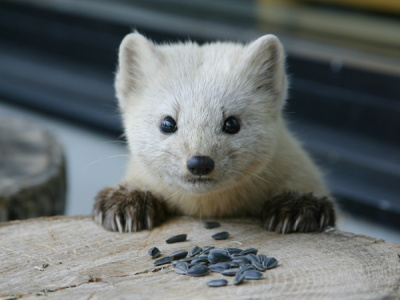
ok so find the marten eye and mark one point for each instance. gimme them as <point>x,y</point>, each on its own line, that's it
<point>231,125</point>
<point>168,125</point>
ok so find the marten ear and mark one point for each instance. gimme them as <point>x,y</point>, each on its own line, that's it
<point>136,59</point>
<point>265,64</point>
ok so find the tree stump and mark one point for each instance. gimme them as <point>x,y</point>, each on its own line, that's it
<point>32,171</point>
<point>87,262</point>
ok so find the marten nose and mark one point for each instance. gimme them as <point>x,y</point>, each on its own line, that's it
<point>200,165</point>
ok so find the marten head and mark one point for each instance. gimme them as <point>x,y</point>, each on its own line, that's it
<point>201,118</point>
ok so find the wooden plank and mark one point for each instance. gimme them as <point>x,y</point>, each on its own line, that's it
<point>85,261</point>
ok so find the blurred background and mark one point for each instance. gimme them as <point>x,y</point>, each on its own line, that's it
<point>57,63</point>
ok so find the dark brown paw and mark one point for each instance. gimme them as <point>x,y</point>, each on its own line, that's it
<point>293,212</point>
<point>119,209</point>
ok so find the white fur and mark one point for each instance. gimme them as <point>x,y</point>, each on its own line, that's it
<point>200,86</point>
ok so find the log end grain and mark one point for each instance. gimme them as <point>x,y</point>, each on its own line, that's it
<point>99,264</point>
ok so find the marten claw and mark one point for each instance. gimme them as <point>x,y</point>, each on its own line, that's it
<point>271,224</point>
<point>322,221</point>
<point>306,212</point>
<point>118,221</point>
<point>98,218</point>
<point>128,224</point>
<point>123,210</point>
<point>285,223</point>
<point>296,224</point>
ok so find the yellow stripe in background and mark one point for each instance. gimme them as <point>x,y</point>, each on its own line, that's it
<point>368,40</point>
<point>296,18</point>
<point>388,6</point>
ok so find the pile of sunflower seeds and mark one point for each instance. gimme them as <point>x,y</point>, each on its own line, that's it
<point>238,263</point>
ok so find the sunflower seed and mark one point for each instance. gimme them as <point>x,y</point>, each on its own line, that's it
<point>249,251</point>
<point>216,256</point>
<point>252,258</point>
<point>254,261</point>
<point>241,259</point>
<point>270,263</point>
<point>230,272</point>
<point>154,252</point>
<point>44,266</point>
<point>252,274</point>
<point>261,258</point>
<point>180,271</point>
<point>219,251</point>
<point>207,249</point>
<point>223,235</point>
<point>217,282</point>
<point>259,267</point>
<point>163,261</point>
<point>176,238</point>
<point>194,251</point>
<point>181,268</point>
<point>200,259</point>
<point>198,270</point>
<point>239,277</point>
<point>178,254</point>
<point>246,267</point>
<point>185,260</point>
<point>198,263</point>
<point>210,225</point>
<point>233,250</point>
<point>219,267</point>
<point>10,297</point>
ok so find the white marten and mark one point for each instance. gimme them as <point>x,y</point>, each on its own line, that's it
<point>208,138</point>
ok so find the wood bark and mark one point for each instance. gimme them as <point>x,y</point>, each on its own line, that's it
<point>32,171</point>
<point>87,262</point>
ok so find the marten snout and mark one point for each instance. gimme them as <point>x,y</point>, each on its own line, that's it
<point>200,165</point>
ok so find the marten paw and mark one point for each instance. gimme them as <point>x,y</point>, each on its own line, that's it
<point>123,210</point>
<point>293,212</point>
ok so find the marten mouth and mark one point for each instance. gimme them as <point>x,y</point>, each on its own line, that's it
<point>198,184</point>
<point>200,179</point>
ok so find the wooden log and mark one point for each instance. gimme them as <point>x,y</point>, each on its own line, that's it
<point>32,171</point>
<point>87,262</point>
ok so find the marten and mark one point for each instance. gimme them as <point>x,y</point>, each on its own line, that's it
<point>207,137</point>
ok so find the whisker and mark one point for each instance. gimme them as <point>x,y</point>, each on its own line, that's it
<point>255,175</point>
<point>237,189</point>
<point>163,149</point>
<point>115,142</point>
<point>104,158</point>
<point>173,194</point>
<point>157,156</point>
